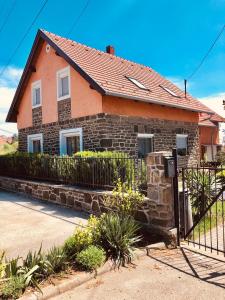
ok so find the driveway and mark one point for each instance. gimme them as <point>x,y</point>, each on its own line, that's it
<point>25,223</point>
<point>169,274</point>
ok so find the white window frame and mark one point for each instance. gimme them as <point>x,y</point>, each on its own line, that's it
<point>145,135</point>
<point>137,83</point>
<point>35,85</point>
<point>59,74</point>
<point>63,134</point>
<point>185,136</point>
<point>34,137</point>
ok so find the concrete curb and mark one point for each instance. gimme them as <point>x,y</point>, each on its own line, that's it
<point>69,284</point>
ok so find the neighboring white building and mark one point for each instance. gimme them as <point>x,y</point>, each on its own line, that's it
<point>215,102</point>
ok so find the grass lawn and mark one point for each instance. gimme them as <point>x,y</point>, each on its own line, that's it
<point>8,148</point>
<point>213,218</point>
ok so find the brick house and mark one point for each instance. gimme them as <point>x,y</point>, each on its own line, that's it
<point>209,136</point>
<point>72,97</point>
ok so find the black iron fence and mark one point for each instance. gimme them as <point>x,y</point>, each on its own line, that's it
<point>89,172</point>
<point>202,209</point>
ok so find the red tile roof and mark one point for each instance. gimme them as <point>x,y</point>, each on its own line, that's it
<point>108,74</point>
<point>209,120</point>
<point>110,71</point>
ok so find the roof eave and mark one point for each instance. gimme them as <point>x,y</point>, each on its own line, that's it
<point>11,116</point>
<point>158,102</point>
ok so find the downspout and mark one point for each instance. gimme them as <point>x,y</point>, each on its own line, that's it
<point>212,144</point>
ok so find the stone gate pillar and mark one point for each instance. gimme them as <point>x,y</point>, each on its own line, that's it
<point>159,191</point>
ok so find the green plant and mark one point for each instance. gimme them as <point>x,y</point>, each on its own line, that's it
<point>82,238</point>
<point>202,188</point>
<point>57,258</point>
<point>91,258</point>
<point>2,264</point>
<point>124,200</point>
<point>13,288</point>
<point>12,267</point>
<point>119,234</point>
<point>35,267</point>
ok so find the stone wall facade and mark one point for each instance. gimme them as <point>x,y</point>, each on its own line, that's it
<point>64,110</point>
<point>157,208</point>
<point>37,116</point>
<point>113,132</point>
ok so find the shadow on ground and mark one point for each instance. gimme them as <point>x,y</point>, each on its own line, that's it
<point>203,266</point>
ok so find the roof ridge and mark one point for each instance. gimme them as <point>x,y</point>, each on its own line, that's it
<point>101,51</point>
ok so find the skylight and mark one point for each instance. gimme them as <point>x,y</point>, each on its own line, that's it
<point>137,83</point>
<point>169,91</point>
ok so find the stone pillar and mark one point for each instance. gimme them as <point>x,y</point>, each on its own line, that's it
<point>160,191</point>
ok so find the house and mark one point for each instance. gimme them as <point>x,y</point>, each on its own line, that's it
<point>72,97</point>
<point>209,127</point>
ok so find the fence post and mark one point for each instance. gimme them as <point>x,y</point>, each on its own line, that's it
<point>160,191</point>
<point>176,197</point>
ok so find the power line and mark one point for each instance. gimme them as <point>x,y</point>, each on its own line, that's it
<point>11,9</point>
<point>78,18</point>
<point>23,38</point>
<point>207,54</point>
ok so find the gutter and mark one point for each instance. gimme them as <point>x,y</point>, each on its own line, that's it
<point>107,93</point>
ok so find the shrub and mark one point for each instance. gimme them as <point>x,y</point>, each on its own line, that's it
<point>91,258</point>
<point>118,237</point>
<point>13,288</point>
<point>124,200</point>
<point>82,238</point>
<point>201,185</point>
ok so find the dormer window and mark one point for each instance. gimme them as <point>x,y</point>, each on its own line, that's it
<point>169,91</point>
<point>36,93</point>
<point>137,83</point>
<point>63,84</point>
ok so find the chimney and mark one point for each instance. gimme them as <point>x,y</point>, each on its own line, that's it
<point>110,49</point>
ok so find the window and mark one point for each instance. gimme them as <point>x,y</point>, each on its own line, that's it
<point>35,143</point>
<point>36,93</point>
<point>182,144</point>
<point>71,141</point>
<point>169,91</point>
<point>137,83</point>
<point>145,144</point>
<point>63,84</point>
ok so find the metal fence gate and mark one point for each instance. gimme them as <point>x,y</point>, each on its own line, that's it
<point>202,207</point>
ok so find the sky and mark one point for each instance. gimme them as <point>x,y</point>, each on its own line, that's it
<point>170,36</point>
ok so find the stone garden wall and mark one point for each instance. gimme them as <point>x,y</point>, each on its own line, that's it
<point>157,208</point>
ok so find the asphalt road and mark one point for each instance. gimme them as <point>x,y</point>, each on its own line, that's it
<point>26,223</point>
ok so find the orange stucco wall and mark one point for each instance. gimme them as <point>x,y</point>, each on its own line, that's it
<point>126,107</point>
<point>85,101</point>
<point>208,135</point>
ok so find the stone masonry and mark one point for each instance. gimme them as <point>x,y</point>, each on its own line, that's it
<point>157,208</point>
<point>118,133</point>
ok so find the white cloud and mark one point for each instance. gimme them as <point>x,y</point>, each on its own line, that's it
<point>178,81</point>
<point>215,102</point>
<point>8,83</point>
<point>10,77</point>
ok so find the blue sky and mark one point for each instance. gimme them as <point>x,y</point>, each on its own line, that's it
<point>170,36</point>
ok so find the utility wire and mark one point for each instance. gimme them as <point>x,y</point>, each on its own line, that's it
<point>78,18</point>
<point>11,9</point>
<point>207,53</point>
<point>23,38</point>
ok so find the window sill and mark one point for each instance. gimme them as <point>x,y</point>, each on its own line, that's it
<point>35,106</point>
<point>63,98</point>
